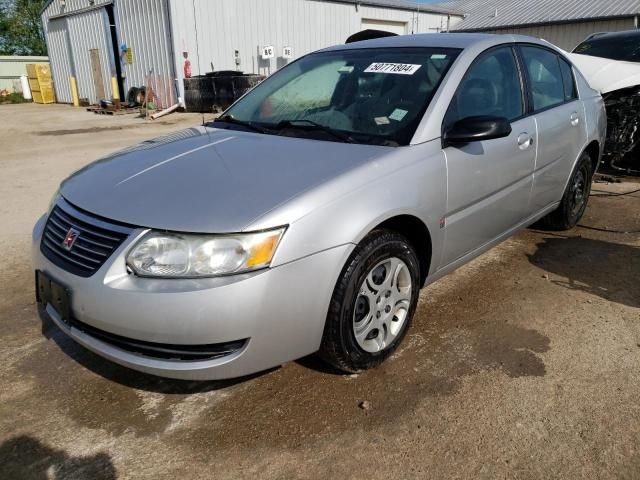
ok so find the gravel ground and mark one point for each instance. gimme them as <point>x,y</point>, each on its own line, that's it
<point>523,364</point>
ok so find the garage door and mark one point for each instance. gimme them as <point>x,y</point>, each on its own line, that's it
<point>60,57</point>
<point>399,28</point>
<point>92,54</point>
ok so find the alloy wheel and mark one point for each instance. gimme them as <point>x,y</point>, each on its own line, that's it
<point>578,192</point>
<point>382,305</point>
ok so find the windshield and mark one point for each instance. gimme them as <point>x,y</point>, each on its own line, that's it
<point>372,96</point>
<point>625,48</point>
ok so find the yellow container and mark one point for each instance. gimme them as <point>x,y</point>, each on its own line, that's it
<point>44,96</point>
<point>45,85</point>
<point>40,82</point>
<point>34,85</point>
<point>39,71</point>
<point>43,71</point>
<point>31,70</point>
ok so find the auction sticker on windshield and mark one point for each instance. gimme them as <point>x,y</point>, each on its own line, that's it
<point>395,68</point>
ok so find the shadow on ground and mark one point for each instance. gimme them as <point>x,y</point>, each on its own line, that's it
<point>304,401</point>
<point>461,334</point>
<point>26,458</point>
<point>286,405</point>
<point>75,131</point>
<point>606,269</point>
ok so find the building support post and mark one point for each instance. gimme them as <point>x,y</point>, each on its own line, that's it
<point>114,88</point>
<point>74,91</point>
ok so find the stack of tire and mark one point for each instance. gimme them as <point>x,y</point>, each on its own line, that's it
<point>230,86</point>
<point>216,91</point>
<point>198,94</point>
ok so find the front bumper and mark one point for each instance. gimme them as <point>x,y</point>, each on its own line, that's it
<point>281,311</point>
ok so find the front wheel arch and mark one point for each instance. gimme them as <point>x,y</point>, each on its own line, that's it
<point>339,345</point>
<point>417,232</point>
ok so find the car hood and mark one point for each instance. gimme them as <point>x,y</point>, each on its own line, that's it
<point>607,75</point>
<point>207,179</point>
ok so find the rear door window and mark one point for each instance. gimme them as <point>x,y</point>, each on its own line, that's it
<point>545,77</point>
<point>570,91</point>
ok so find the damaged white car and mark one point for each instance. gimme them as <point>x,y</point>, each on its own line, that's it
<point>611,64</point>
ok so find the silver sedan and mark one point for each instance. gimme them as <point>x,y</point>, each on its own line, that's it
<point>309,215</point>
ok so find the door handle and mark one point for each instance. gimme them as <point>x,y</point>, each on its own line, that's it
<point>575,119</point>
<point>524,141</point>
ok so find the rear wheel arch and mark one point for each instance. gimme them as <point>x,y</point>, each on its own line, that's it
<point>574,199</point>
<point>593,150</point>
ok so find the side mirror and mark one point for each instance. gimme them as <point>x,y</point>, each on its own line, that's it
<point>476,129</point>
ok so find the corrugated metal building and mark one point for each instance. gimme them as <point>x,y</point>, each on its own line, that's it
<point>142,42</point>
<point>564,23</point>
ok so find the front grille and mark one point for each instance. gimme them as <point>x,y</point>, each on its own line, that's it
<point>96,241</point>
<point>163,351</point>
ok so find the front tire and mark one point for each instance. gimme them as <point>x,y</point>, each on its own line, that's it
<point>575,198</point>
<point>373,303</point>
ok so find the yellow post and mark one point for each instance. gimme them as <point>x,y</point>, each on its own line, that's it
<point>114,87</point>
<point>74,91</point>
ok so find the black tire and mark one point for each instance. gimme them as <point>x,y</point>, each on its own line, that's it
<point>339,346</point>
<point>199,94</point>
<point>575,198</point>
<point>132,95</point>
<point>135,96</point>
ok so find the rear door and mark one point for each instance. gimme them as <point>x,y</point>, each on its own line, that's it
<point>489,182</point>
<point>560,120</point>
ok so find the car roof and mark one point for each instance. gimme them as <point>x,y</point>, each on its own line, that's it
<point>610,35</point>
<point>438,40</point>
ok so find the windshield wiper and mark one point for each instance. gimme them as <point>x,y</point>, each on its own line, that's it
<point>311,125</point>
<point>242,123</point>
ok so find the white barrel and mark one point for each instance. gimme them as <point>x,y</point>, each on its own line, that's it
<point>26,91</point>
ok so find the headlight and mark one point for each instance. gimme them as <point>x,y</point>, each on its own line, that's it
<point>175,255</point>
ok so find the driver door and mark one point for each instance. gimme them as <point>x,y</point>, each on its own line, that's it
<point>488,182</point>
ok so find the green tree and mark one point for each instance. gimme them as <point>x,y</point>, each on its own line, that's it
<point>21,28</point>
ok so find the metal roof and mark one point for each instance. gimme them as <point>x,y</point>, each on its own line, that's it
<point>491,14</point>
<point>407,5</point>
<point>435,40</point>
<point>399,4</point>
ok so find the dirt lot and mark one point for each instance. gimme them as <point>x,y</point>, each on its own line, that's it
<point>523,364</point>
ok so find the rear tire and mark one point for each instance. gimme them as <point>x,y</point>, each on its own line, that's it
<point>373,303</point>
<point>575,198</point>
